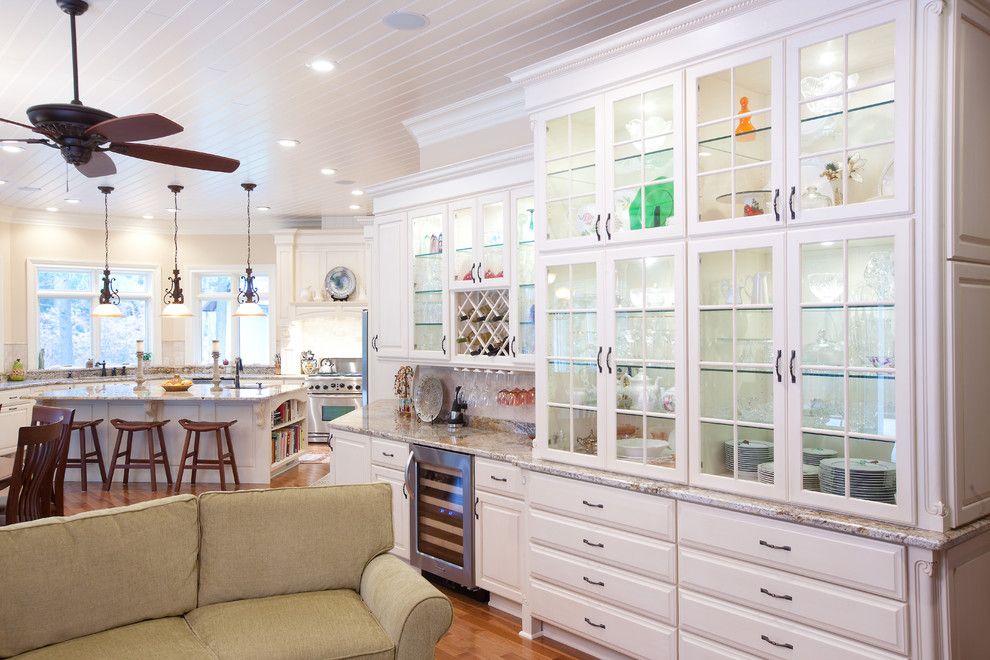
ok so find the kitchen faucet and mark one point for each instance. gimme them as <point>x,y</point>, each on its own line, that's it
<point>103,368</point>
<point>238,368</point>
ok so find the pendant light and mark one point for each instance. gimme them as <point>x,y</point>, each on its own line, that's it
<point>248,296</point>
<point>109,306</point>
<point>175,302</point>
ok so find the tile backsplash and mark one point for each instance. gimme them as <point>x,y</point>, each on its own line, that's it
<point>480,389</point>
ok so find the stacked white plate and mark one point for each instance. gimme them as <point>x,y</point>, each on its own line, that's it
<point>764,474</point>
<point>751,454</point>
<point>814,455</point>
<point>869,479</point>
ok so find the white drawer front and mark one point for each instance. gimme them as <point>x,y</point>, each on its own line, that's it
<point>765,635</point>
<point>863,617</point>
<point>858,563</point>
<point>655,600</point>
<point>389,453</point>
<point>497,477</point>
<point>600,623</point>
<point>629,551</point>
<point>692,647</point>
<point>643,514</point>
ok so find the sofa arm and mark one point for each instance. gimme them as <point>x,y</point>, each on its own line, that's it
<point>411,610</point>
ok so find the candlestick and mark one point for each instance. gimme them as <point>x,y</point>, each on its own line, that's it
<point>216,368</point>
<point>140,347</point>
<point>140,367</point>
<point>216,345</point>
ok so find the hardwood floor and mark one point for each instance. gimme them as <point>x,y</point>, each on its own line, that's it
<point>478,631</point>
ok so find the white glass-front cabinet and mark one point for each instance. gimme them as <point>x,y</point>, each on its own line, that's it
<point>479,235</point>
<point>522,318</point>
<point>738,326</point>
<point>848,117</point>
<point>428,297</point>
<point>850,368</point>
<point>570,374</point>
<point>735,138</point>
<point>391,271</point>
<point>461,237</point>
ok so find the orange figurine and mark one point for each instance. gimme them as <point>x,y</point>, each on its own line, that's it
<point>744,131</point>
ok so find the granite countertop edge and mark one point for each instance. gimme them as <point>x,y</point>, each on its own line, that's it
<point>125,391</point>
<point>517,450</point>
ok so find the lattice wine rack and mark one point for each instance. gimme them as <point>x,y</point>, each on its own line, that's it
<point>482,321</point>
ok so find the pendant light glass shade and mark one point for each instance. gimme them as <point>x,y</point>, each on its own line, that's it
<point>247,297</point>
<point>175,306</point>
<point>109,306</point>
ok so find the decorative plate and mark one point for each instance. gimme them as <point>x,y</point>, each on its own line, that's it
<point>428,399</point>
<point>340,283</point>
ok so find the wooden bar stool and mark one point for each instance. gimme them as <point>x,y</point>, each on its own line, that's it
<point>149,427</point>
<point>85,456</point>
<point>219,463</point>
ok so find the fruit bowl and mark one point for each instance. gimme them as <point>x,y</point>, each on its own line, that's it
<point>176,384</point>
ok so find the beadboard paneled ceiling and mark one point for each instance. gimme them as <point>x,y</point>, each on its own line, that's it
<point>234,74</point>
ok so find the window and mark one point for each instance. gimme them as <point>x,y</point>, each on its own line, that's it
<point>216,300</point>
<point>66,331</point>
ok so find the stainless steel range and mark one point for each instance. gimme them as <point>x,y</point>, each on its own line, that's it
<point>334,392</point>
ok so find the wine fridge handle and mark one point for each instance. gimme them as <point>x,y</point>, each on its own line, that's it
<point>406,486</point>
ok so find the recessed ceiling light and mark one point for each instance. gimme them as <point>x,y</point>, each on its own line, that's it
<point>51,209</point>
<point>355,207</point>
<point>322,66</point>
<point>2,182</point>
<point>285,142</point>
<point>12,148</point>
<point>69,200</point>
<point>263,208</point>
<point>148,216</point>
<point>328,171</point>
<point>345,182</point>
<point>357,193</point>
<point>405,20</point>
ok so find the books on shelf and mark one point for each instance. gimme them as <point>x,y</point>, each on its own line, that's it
<point>286,411</point>
<point>286,442</point>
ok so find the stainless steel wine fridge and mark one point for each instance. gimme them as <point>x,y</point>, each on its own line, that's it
<point>442,513</point>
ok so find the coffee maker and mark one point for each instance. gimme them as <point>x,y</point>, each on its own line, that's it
<point>457,417</point>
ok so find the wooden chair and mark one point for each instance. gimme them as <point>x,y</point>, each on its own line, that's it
<point>30,495</point>
<point>64,416</point>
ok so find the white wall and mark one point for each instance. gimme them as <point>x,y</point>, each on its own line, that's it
<point>489,140</point>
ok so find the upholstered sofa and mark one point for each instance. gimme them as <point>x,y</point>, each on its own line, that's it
<point>280,573</point>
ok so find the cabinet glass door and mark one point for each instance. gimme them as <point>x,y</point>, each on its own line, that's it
<point>737,331</point>
<point>569,187</point>
<point>570,374</point>
<point>847,116</point>
<point>463,260</point>
<point>493,239</point>
<point>524,307</point>
<point>428,275</point>
<point>735,141</point>
<point>645,152</point>
<point>645,361</point>
<point>850,391</point>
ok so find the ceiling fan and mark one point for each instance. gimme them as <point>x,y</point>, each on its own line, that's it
<point>84,135</point>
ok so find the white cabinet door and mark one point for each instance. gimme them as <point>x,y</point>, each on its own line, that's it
<point>522,305</point>
<point>849,105</point>
<point>351,458</point>
<point>570,365</point>
<point>644,166</point>
<point>427,284</point>
<point>493,240</point>
<point>499,540</point>
<point>568,148</point>
<point>737,331</point>
<point>645,361</point>
<point>850,375</point>
<point>400,507</point>
<point>462,229</point>
<point>390,318</point>
<point>735,138</point>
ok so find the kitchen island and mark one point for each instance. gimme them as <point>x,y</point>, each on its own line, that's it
<point>268,437</point>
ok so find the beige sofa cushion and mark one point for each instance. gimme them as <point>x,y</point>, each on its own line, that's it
<point>257,543</point>
<point>67,577</point>
<point>161,639</point>
<point>318,624</point>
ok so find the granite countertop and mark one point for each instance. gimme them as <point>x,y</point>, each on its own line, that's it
<point>381,419</point>
<point>125,391</point>
<point>158,374</point>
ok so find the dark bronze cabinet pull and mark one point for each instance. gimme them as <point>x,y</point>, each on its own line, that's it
<point>608,228</point>
<point>773,595</point>
<point>443,344</point>
<point>775,547</point>
<point>793,357</point>
<point>593,545</point>
<point>598,222</point>
<point>494,478</point>
<point>599,359</point>
<point>780,354</point>
<point>385,453</point>
<point>790,202</point>
<point>590,581</point>
<point>512,346</point>
<point>595,625</point>
<point>471,272</point>
<point>766,639</point>
<point>608,359</point>
<point>594,506</point>
<point>776,207</point>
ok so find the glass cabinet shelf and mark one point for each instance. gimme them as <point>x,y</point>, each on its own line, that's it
<point>429,291</point>
<point>428,254</point>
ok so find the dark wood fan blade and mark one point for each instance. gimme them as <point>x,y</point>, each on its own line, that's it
<point>17,123</point>
<point>134,128</point>
<point>99,164</point>
<point>196,160</point>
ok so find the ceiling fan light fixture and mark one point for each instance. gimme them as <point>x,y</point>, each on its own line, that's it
<point>287,143</point>
<point>322,66</point>
<point>175,301</point>
<point>247,295</point>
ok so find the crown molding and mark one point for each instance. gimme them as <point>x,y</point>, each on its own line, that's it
<point>469,115</point>
<point>679,21</point>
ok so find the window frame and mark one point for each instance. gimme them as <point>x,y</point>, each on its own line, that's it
<point>194,297</point>
<point>152,338</point>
